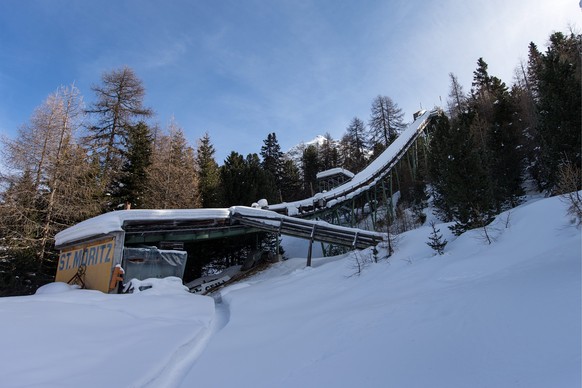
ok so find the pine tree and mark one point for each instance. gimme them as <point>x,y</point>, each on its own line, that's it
<point>353,146</point>
<point>498,140</point>
<point>173,173</point>
<point>328,154</point>
<point>19,232</point>
<point>118,107</point>
<point>19,213</point>
<point>481,79</point>
<point>44,194</point>
<point>261,183</point>
<point>436,241</point>
<point>457,102</point>
<point>41,149</point>
<point>209,174</point>
<point>504,142</point>
<point>534,69</point>
<point>525,122</point>
<point>133,182</point>
<point>78,195</point>
<point>460,180</point>
<point>232,176</point>
<point>271,155</point>
<point>245,181</point>
<point>555,76</point>
<point>310,168</point>
<point>291,185</point>
<point>386,122</point>
<point>272,158</point>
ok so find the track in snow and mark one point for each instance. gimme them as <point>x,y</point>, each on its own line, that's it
<point>184,358</point>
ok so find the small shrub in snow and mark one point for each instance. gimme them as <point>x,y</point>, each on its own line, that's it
<point>360,261</point>
<point>569,185</point>
<point>435,240</point>
<point>486,235</point>
<point>507,220</point>
<point>407,259</point>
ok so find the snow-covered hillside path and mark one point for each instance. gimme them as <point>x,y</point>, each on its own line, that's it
<point>182,360</point>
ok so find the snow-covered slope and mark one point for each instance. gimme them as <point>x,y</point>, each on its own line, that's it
<point>500,315</point>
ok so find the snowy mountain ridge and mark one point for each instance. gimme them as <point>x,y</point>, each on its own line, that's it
<point>296,152</point>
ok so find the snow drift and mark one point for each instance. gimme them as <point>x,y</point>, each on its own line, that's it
<point>500,315</point>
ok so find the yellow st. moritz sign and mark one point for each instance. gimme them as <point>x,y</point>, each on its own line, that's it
<point>96,257</point>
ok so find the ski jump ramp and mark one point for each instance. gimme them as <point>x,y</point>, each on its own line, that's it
<point>369,177</point>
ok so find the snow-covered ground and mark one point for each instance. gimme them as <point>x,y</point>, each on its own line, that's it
<point>506,314</point>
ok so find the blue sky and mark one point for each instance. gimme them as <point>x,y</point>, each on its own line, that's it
<point>242,69</point>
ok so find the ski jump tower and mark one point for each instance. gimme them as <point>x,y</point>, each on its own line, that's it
<point>374,186</point>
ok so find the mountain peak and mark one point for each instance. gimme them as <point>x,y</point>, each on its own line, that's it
<point>294,153</point>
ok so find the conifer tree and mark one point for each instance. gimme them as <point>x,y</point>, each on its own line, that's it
<point>19,232</point>
<point>328,153</point>
<point>46,191</point>
<point>232,174</point>
<point>245,181</point>
<point>497,134</point>
<point>310,167</point>
<point>173,173</point>
<point>525,121</point>
<point>291,185</point>
<point>386,122</point>
<point>481,80</point>
<point>435,240</point>
<point>261,183</point>
<point>272,159</point>
<point>353,146</point>
<point>504,142</point>
<point>556,79</point>
<point>457,102</point>
<point>118,107</point>
<point>19,213</point>
<point>534,69</point>
<point>209,174</point>
<point>458,174</point>
<point>271,155</point>
<point>133,181</point>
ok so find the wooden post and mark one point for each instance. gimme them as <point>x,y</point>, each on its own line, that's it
<point>408,157</point>
<point>278,248</point>
<point>354,243</point>
<point>353,217</point>
<point>310,246</point>
<point>391,196</point>
<point>425,144</point>
<point>389,242</point>
<point>398,169</point>
<point>415,158</point>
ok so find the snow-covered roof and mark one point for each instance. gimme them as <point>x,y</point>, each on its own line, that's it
<point>113,221</point>
<point>334,171</point>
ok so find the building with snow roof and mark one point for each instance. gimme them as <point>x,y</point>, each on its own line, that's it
<point>332,178</point>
